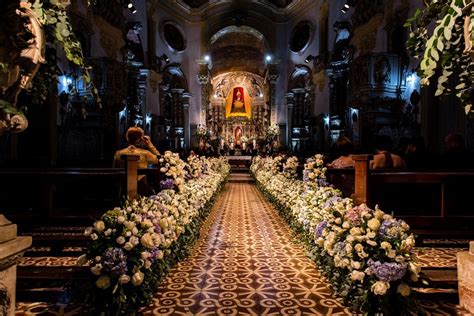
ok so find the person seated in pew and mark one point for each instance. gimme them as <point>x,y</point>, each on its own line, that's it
<point>343,149</point>
<point>138,144</point>
<point>383,158</point>
<point>455,154</point>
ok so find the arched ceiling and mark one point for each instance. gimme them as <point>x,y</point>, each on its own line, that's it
<point>238,49</point>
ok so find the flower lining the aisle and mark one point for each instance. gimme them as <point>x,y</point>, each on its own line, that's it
<point>133,246</point>
<point>364,253</point>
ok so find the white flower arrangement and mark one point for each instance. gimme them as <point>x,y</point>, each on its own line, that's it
<point>314,170</point>
<point>272,132</point>
<point>290,167</point>
<point>366,253</point>
<point>130,243</point>
<point>244,139</point>
<point>172,167</point>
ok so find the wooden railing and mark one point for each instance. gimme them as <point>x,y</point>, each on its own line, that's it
<point>425,199</point>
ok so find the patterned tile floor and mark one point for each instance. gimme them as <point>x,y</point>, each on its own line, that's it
<point>246,264</point>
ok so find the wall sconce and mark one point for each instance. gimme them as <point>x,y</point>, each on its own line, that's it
<point>309,58</point>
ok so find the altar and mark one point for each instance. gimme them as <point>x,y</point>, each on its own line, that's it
<point>239,162</point>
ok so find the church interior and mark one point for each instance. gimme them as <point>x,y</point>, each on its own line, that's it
<point>241,157</point>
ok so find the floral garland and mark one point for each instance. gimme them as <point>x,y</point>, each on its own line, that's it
<point>315,170</point>
<point>365,254</point>
<point>173,169</point>
<point>290,167</point>
<point>202,132</point>
<point>195,166</point>
<point>132,246</point>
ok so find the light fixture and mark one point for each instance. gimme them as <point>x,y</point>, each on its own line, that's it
<point>309,58</point>
<point>165,58</point>
<point>130,6</point>
<point>261,95</point>
<point>347,6</point>
<point>207,58</point>
<point>268,57</point>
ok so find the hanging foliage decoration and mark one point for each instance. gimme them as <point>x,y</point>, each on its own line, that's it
<point>444,48</point>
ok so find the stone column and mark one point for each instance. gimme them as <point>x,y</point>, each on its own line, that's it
<point>289,117</point>
<point>11,249</point>
<point>466,278</point>
<point>187,127</point>
<point>204,80</point>
<point>137,96</point>
<point>271,78</point>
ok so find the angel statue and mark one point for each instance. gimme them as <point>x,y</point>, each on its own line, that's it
<point>21,54</point>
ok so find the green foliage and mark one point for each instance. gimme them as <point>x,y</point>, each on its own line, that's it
<point>58,29</point>
<point>441,48</point>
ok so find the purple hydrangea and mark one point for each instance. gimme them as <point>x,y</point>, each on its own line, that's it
<point>115,261</point>
<point>167,184</point>
<point>332,201</point>
<point>318,232</point>
<point>387,225</point>
<point>387,271</point>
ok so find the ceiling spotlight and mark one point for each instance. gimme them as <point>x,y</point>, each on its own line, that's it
<point>309,58</point>
<point>268,58</point>
<point>207,58</point>
<point>130,5</point>
<point>133,9</point>
<point>261,95</point>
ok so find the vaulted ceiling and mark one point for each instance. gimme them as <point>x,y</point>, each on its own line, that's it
<point>195,4</point>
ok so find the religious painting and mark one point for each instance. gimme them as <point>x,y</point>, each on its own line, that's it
<point>238,103</point>
<point>238,135</point>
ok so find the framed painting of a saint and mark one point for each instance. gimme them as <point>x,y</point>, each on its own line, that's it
<point>238,103</point>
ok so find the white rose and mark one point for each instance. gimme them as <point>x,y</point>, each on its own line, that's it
<point>88,231</point>
<point>96,269</point>
<point>98,258</point>
<point>380,287</point>
<point>99,226</point>
<point>359,247</point>
<point>346,225</point>
<point>129,224</point>
<point>103,282</point>
<point>120,240</point>
<point>355,265</point>
<point>145,255</point>
<point>134,240</point>
<point>134,231</point>
<point>385,245</point>
<point>94,236</point>
<point>355,231</point>
<point>374,224</point>
<point>120,219</point>
<point>147,240</point>
<point>108,232</point>
<point>123,279</point>
<point>147,264</point>
<point>357,276</point>
<point>403,289</point>
<point>82,260</point>
<point>137,278</point>
<point>128,246</point>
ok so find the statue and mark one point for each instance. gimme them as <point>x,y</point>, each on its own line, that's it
<point>23,52</point>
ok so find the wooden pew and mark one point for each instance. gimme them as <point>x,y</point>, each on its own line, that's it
<point>424,199</point>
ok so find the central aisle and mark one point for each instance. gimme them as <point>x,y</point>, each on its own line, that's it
<point>245,263</point>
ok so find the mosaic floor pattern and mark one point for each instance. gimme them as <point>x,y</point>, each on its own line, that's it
<point>246,264</point>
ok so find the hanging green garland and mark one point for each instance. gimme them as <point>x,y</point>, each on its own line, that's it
<point>442,48</point>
